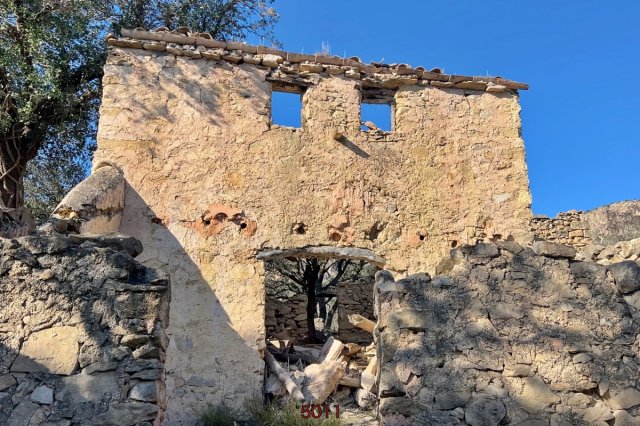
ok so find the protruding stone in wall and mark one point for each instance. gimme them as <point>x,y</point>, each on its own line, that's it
<point>96,203</point>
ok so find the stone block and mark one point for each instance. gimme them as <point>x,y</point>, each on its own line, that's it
<point>42,395</point>
<point>549,249</point>
<point>536,395</point>
<point>127,413</point>
<point>624,399</point>
<point>416,320</point>
<point>626,274</point>
<point>6,381</point>
<point>88,388</point>
<point>144,391</point>
<point>484,411</point>
<point>53,350</point>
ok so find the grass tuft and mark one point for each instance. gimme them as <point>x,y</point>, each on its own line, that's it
<point>287,414</point>
<point>219,415</point>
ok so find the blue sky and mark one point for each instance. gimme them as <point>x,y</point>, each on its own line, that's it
<point>580,57</point>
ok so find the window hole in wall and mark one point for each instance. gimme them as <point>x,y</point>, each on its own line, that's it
<point>377,110</point>
<point>286,107</point>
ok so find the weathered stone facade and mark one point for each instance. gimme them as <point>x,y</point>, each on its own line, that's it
<point>508,336</point>
<point>81,331</point>
<point>211,182</point>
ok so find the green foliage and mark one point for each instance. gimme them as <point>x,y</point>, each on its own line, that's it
<point>51,58</point>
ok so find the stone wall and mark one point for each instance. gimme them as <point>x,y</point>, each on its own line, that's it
<point>287,319</point>
<point>603,226</point>
<point>511,335</point>
<point>210,182</point>
<point>568,228</point>
<point>81,332</point>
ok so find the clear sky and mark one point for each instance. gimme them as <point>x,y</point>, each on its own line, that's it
<point>581,59</point>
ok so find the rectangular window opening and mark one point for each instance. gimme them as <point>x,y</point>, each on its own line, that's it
<point>376,110</point>
<point>286,107</point>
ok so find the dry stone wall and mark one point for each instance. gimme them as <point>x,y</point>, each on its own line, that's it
<point>287,319</point>
<point>510,335</point>
<point>604,226</point>
<point>568,228</point>
<point>354,298</point>
<point>82,336</point>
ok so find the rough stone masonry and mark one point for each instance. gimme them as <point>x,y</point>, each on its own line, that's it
<point>511,335</point>
<point>211,182</point>
<point>81,331</point>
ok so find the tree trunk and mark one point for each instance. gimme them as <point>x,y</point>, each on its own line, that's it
<point>15,152</point>
<point>311,313</point>
<point>311,271</point>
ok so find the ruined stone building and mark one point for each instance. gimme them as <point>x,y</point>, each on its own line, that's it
<point>191,165</point>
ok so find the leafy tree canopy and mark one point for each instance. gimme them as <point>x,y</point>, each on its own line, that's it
<point>51,58</point>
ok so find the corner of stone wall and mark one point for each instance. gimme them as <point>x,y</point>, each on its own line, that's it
<point>82,337</point>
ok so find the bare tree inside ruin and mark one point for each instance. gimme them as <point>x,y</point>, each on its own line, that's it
<point>316,279</point>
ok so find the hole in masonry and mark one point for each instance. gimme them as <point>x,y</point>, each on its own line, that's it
<point>286,109</point>
<point>300,228</point>
<point>243,225</point>
<point>335,236</point>
<point>454,243</point>
<point>422,237</point>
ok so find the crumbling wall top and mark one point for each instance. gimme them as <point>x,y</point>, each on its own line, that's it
<point>293,70</point>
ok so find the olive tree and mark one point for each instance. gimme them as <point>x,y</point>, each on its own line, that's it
<point>51,58</point>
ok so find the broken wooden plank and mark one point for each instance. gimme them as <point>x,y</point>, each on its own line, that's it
<point>321,380</point>
<point>362,323</point>
<point>331,350</point>
<point>352,349</point>
<point>368,377</point>
<point>352,382</point>
<point>283,375</point>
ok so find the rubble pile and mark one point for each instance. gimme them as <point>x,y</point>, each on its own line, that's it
<point>337,374</point>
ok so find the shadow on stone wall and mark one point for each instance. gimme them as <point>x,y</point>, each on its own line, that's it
<point>507,337</point>
<point>208,361</point>
<point>81,331</point>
